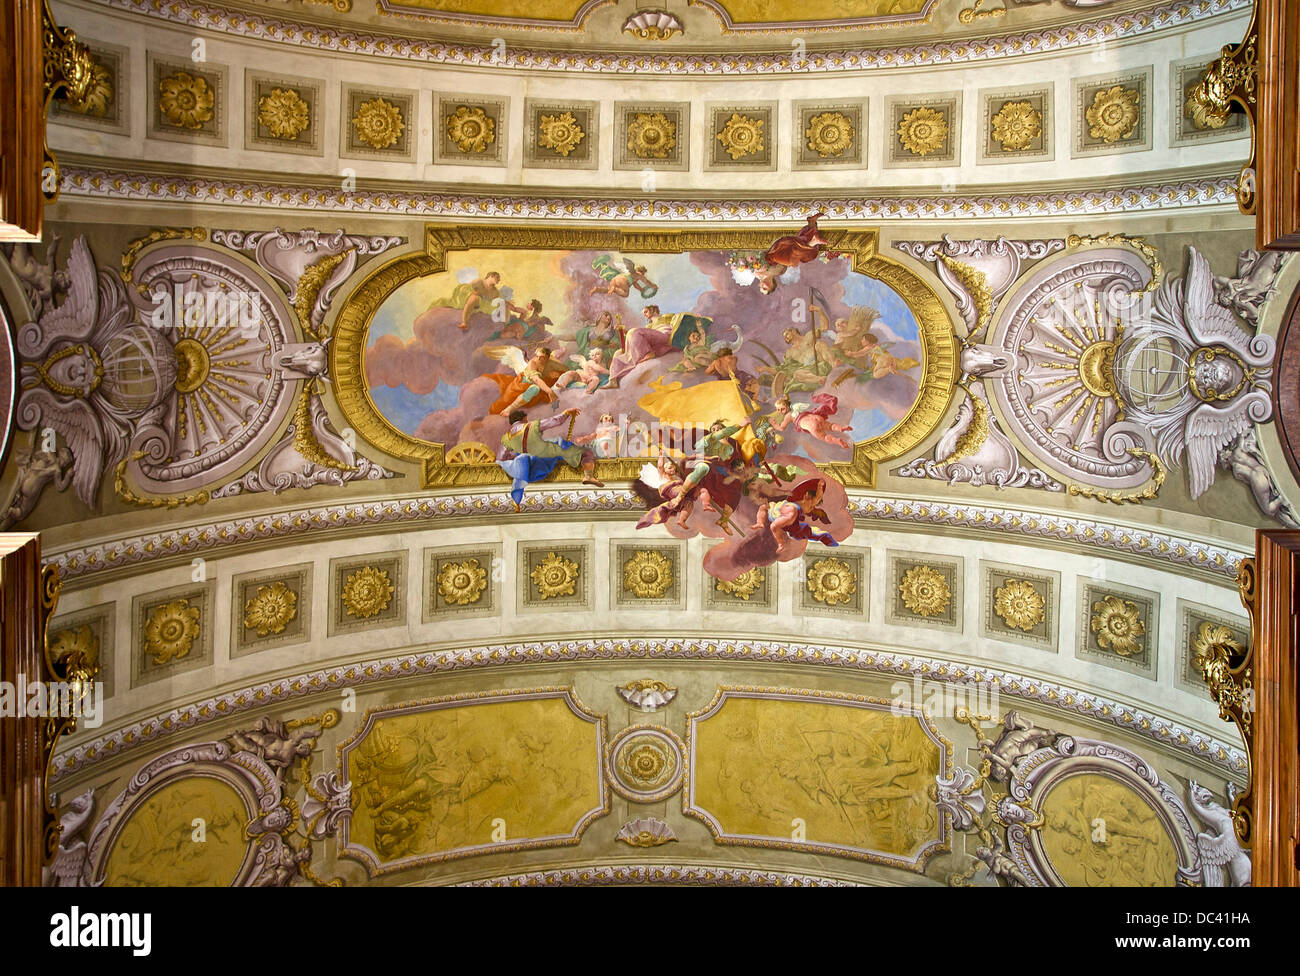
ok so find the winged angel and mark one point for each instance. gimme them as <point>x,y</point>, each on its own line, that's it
<point>1229,376</point>
<point>84,360</point>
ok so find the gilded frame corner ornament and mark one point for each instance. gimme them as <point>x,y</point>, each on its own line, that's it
<point>939,343</point>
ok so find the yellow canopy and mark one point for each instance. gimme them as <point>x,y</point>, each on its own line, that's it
<point>700,405</point>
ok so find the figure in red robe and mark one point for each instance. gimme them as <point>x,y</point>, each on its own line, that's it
<point>792,251</point>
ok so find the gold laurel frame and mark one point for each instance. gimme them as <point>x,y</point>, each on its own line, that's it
<point>939,344</point>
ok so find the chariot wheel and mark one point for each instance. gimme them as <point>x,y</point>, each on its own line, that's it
<point>470,452</point>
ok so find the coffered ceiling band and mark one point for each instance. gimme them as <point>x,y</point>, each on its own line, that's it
<point>78,563</point>
<point>319,37</point>
<point>1137,721</point>
<point>120,185</point>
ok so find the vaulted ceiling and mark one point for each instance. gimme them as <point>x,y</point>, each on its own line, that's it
<point>265,374</point>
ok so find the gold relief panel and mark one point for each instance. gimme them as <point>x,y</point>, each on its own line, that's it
<point>1190,125</point>
<point>378,124</point>
<point>1020,604</point>
<point>923,130</point>
<point>269,609</point>
<point>561,135</point>
<point>470,130</point>
<point>282,114</point>
<point>818,771</point>
<point>652,135</point>
<point>1016,124</point>
<point>1119,627</point>
<point>153,838</point>
<point>924,590</point>
<point>554,576</point>
<point>827,135</point>
<point>1201,627</point>
<point>754,589</point>
<point>832,581</point>
<point>89,634</point>
<point>472,774</point>
<point>646,575</point>
<point>105,104</point>
<point>741,136</point>
<point>463,581</point>
<point>187,101</point>
<point>171,631</point>
<point>367,592</point>
<point>432,318</point>
<point>1112,113</point>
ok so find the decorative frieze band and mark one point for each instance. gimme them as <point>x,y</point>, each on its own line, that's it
<point>79,562</point>
<point>320,37</point>
<point>694,875</point>
<point>1137,721</point>
<point>122,184</point>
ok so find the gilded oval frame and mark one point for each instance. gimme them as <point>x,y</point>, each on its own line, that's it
<point>939,343</point>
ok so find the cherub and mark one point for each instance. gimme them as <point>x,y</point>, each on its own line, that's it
<point>789,518</point>
<point>616,281</point>
<point>814,420</point>
<point>590,371</point>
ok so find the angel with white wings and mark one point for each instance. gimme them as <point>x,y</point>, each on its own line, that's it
<point>532,382</point>
<point>1228,372</point>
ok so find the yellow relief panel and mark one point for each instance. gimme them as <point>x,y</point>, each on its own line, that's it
<point>158,846</point>
<point>829,775</point>
<point>468,777</point>
<point>1097,832</point>
<point>765,12</point>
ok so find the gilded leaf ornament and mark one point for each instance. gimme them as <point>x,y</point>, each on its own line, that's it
<point>471,129</point>
<point>1118,626</point>
<point>378,123</point>
<point>829,134</point>
<point>462,583</point>
<point>562,133</point>
<point>186,100</point>
<point>925,591</point>
<point>171,630</point>
<point>271,609</point>
<point>923,131</point>
<point>741,136</point>
<point>648,574</point>
<point>743,586</point>
<point>555,576</point>
<point>1019,604</point>
<point>1017,125</point>
<point>651,135</point>
<point>1113,114</point>
<point>367,592</point>
<point>284,113</point>
<point>832,581</point>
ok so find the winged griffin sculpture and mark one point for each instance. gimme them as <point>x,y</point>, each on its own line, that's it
<point>1219,850</point>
